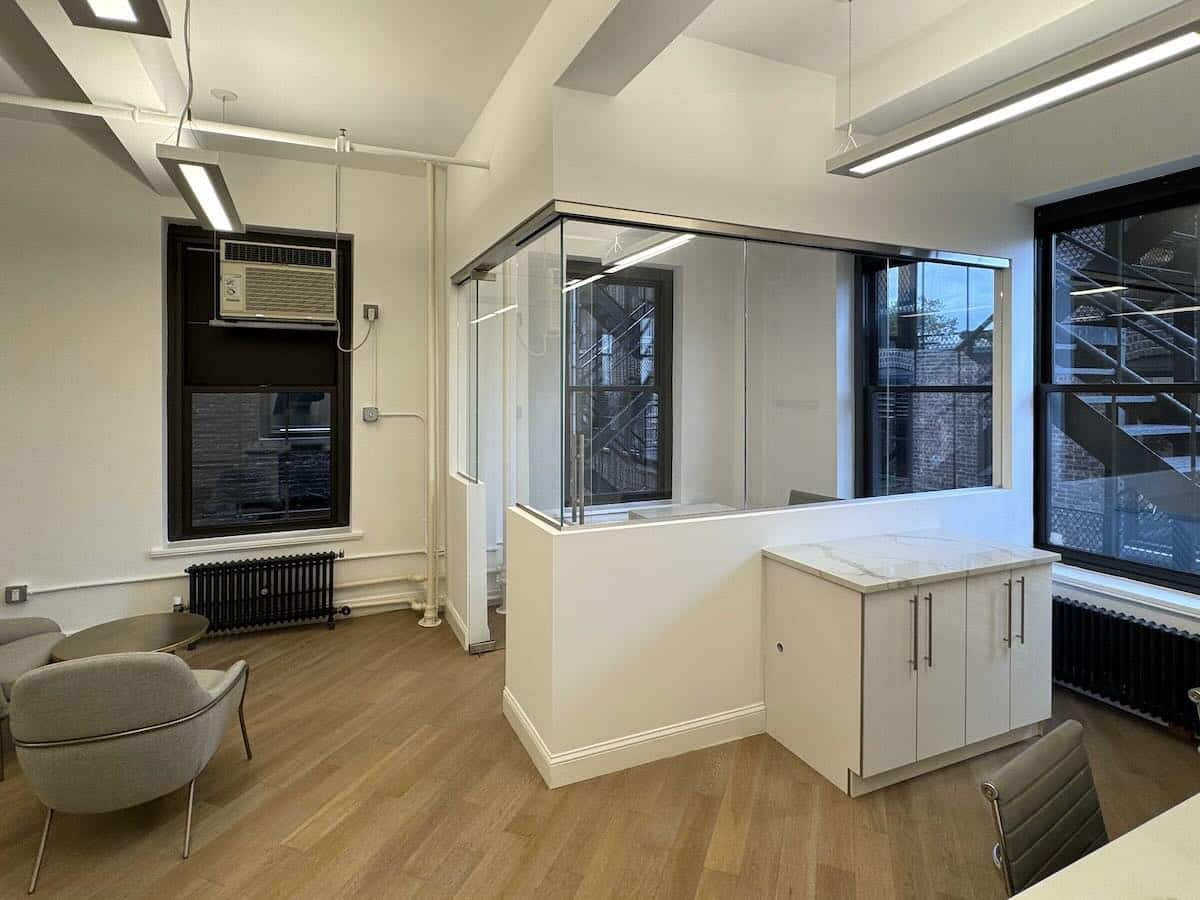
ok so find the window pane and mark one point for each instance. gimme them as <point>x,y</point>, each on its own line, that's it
<point>624,462</point>
<point>1125,297</point>
<point>259,457</point>
<point>1122,476</point>
<point>614,331</point>
<point>930,441</point>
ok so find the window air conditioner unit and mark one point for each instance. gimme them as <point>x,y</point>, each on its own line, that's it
<point>277,282</point>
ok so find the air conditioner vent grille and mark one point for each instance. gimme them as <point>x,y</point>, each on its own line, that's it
<point>312,257</point>
<point>295,294</point>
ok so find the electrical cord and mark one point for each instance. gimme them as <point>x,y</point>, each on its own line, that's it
<point>191,83</point>
<point>358,346</point>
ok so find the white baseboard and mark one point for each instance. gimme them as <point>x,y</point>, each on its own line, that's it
<point>569,766</point>
<point>457,625</point>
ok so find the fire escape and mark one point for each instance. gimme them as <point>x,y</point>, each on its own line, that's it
<point>1136,494</point>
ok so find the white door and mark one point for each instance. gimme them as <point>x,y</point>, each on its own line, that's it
<point>1032,647</point>
<point>889,703</point>
<point>989,628</point>
<point>941,681</point>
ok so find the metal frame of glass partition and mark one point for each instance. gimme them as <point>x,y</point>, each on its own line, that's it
<point>558,212</point>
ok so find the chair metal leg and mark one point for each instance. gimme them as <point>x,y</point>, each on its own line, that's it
<point>242,716</point>
<point>187,831</point>
<point>1,749</point>
<point>37,865</point>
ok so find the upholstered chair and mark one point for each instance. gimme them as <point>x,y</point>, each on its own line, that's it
<point>1045,807</point>
<point>108,732</point>
<point>25,644</point>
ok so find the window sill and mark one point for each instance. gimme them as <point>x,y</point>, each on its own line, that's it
<point>254,542</point>
<point>1140,593</point>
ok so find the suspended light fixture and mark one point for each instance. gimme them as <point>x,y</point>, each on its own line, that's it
<point>1148,44</point>
<point>197,174</point>
<point>134,16</point>
<point>657,247</point>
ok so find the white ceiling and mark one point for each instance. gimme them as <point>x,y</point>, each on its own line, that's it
<point>405,73</point>
<point>812,33</point>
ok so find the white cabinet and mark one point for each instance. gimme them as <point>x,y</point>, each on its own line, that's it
<point>941,670</point>
<point>1008,650</point>
<point>1032,647</point>
<point>889,680</point>
<point>913,674</point>
<point>871,683</point>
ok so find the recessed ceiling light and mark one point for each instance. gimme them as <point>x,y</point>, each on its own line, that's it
<point>197,174</point>
<point>133,16</point>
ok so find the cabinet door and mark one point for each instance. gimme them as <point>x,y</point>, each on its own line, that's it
<point>989,634</point>
<point>1031,648</point>
<point>941,681</point>
<point>889,703</point>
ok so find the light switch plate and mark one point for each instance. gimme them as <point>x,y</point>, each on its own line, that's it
<point>16,593</point>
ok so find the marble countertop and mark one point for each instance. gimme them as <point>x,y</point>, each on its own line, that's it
<point>887,561</point>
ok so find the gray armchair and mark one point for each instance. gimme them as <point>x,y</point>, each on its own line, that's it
<point>108,732</point>
<point>25,644</point>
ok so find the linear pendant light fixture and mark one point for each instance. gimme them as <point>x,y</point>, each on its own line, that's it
<point>197,174</point>
<point>632,259</point>
<point>134,16</point>
<point>1146,45</point>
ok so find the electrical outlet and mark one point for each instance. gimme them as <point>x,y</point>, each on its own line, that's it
<point>370,312</point>
<point>16,593</point>
<point>370,413</point>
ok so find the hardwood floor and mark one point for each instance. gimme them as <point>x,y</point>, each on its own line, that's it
<point>383,768</point>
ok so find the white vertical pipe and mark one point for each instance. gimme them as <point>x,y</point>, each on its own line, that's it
<point>429,616</point>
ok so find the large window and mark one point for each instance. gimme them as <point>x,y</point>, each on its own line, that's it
<point>258,436</point>
<point>1118,482</point>
<point>926,370</point>
<point>619,381</point>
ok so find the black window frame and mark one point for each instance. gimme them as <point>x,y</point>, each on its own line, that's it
<point>866,359</point>
<point>1153,195</point>
<point>178,237</point>
<point>663,281</point>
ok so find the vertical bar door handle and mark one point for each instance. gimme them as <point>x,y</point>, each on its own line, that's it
<point>1008,628</point>
<point>916,652</point>
<point>1022,634</point>
<point>929,627</point>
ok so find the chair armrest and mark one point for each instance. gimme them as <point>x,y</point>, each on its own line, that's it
<point>239,670</point>
<point>16,629</point>
<point>1194,696</point>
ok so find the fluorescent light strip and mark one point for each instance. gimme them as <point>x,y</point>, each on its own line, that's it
<point>1065,90</point>
<point>1103,290</point>
<point>493,315</point>
<point>580,282</point>
<point>206,195</point>
<point>113,10</point>
<point>631,260</point>
<point>649,253</point>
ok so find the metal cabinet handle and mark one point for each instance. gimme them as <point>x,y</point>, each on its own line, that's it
<point>929,625</point>
<point>913,661</point>
<point>1008,631</point>
<point>1022,634</point>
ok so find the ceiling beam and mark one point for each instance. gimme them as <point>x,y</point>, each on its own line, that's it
<point>114,67</point>
<point>633,35</point>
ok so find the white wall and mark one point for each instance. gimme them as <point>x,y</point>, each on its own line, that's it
<point>800,415</point>
<point>81,363</point>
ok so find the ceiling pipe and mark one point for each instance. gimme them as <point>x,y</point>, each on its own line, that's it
<point>150,117</point>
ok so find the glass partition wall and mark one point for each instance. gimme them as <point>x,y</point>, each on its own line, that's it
<point>622,372</point>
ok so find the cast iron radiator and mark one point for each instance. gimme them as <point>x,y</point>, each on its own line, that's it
<point>1141,666</point>
<point>251,593</point>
